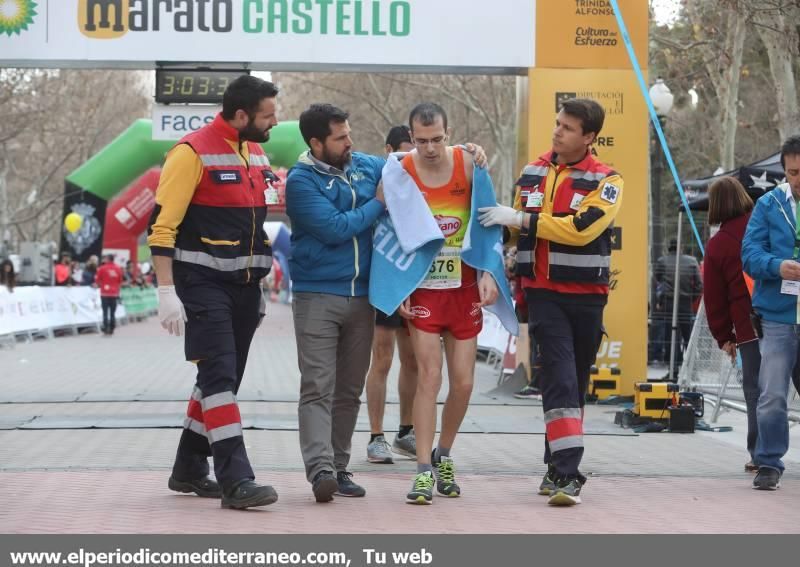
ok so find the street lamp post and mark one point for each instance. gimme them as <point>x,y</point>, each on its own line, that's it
<point>662,100</point>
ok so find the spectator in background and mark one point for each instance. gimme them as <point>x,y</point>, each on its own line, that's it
<point>109,280</point>
<point>690,288</point>
<point>726,296</point>
<point>76,275</point>
<point>8,277</point>
<point>89,271</point>
<point>388,330</point>
<point>63,272</point>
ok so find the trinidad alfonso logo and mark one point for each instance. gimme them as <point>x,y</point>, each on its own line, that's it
<point>15,15</point>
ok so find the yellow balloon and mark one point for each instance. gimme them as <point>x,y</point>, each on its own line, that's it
<point>73,222</point>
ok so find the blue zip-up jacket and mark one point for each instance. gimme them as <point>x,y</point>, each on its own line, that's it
<point>332,213</point>
<point>768,241</point>
<point>408,239</point>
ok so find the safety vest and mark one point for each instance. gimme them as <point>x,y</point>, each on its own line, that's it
<point>223,228</point>
<point>546,187</point>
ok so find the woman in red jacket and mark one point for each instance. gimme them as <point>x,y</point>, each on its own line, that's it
<point>725,292</point>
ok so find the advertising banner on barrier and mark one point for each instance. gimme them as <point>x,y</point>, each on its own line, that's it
<point>34,308</point>
<point>297,35</point>
<point>622,144</point>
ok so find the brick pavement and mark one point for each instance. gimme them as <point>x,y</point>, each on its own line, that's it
<point>64,480</point>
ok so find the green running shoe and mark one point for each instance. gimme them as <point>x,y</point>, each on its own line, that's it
<point>446,478</point>
<point>548,482</point>
<point>567,491</point>
<point>422,489</point>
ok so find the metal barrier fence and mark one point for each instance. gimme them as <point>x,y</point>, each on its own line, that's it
<point>706,368</point>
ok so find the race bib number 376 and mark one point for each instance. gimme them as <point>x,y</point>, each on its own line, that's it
<point>445,271</point>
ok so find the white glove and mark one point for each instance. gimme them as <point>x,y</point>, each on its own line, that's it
<point>506,216</point>
<point>170,310</point>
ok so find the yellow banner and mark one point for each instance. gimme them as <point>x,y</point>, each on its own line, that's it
<point>584,34</point>
<point>623,145</point>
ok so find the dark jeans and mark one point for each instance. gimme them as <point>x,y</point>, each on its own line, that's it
<point>661,332</point>
<point>221,321</point>
<point>751,363</point>
<point>568,336</point>
<point>109,305</point>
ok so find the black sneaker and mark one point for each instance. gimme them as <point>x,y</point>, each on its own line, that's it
<point>767,479</point>
<point>248,494</point>
<point>206,487</point>
<point>528,393</point>
<point>323,486</point>
<point>567,491</point>
<point>346,486</point>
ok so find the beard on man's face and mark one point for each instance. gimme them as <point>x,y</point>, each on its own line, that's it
<point>336,160</point>
<point>253,134</point>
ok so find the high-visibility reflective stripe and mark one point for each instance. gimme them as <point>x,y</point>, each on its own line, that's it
<point>223,264</point>
<point>197,394</point>
<point>566,443</point>
<point>259,160</point>
<point>217,160</point>
<point>194,425</point>
<point>525,256</point>
<point>579,260</point>
<point>195,411</point>
<point>561,413</point>
<point>220,242</point>
<point>225,432</point>
<point>588,175</point>
<point>217,400</point>
<point>535,170</point>
<point>564,427</point>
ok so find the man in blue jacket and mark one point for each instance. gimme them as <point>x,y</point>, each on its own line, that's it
<point>332,202</point>
<point>770,252</point>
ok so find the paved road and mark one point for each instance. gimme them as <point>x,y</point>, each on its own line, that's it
<point>88,428</point>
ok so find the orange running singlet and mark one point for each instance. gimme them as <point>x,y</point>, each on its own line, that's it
<point>450,205</point>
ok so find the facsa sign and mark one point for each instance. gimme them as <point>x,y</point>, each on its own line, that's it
<point>172,122</point>
<point>271,34</point>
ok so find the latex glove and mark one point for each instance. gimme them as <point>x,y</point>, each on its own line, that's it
<point>170,310</point>
<point>506,216</point>
<point>262,310</point>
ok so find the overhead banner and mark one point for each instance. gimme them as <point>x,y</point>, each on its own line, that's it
<point>270,34</point>
<point>583,34</point>
<point>623,145</point>
<point>173,122</point>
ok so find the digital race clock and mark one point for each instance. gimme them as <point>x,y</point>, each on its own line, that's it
<point>193,85</point>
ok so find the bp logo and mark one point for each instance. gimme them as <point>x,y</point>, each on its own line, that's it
<point>15,15</point>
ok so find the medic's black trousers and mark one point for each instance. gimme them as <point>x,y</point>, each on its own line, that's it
<point>568,335</point>
<point>222,318</point>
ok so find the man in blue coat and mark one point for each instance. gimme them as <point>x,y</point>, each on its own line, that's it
<point>770,252</point>
<point>332,202</point>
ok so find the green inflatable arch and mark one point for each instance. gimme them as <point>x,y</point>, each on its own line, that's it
<point>89,188</point>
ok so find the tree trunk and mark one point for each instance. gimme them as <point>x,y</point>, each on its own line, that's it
<point>780,40</point>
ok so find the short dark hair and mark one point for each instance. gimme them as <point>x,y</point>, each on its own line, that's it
<point>315,121</point>
<point>589,112</point>
<point>791,147</point>
<point>727,199</point>
<point>246,93</point>
<point>397,135</point>
<point>426,113</point>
